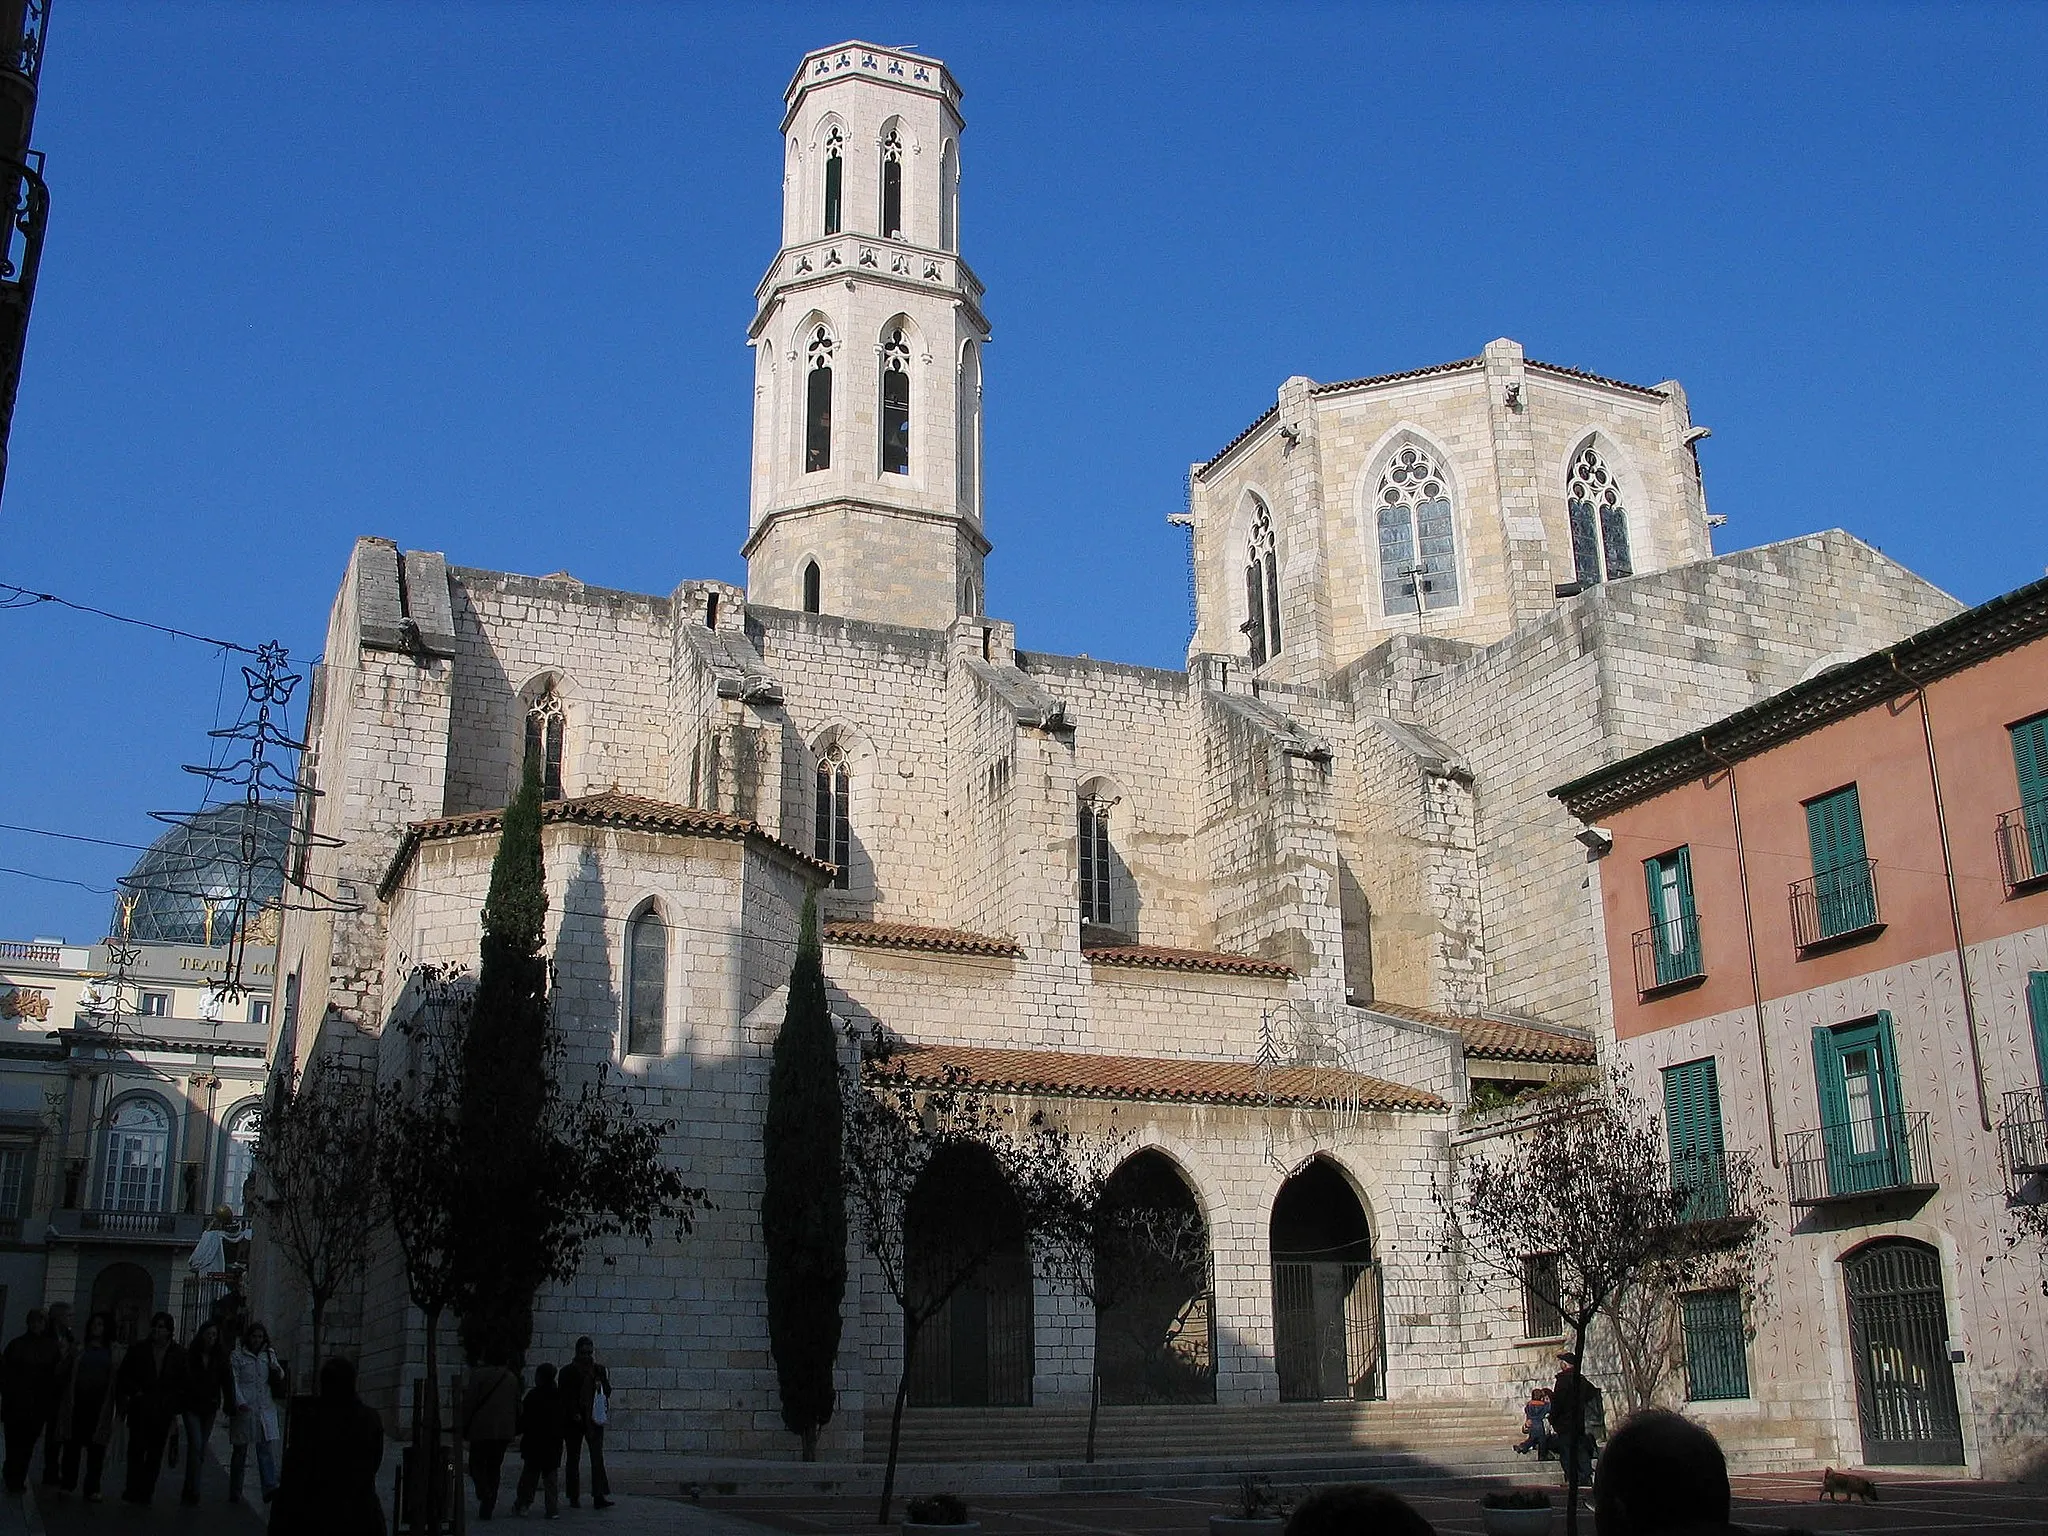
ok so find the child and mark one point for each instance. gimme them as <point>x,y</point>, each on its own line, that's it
<point>1534,1412</point>
<point>544,1425</point>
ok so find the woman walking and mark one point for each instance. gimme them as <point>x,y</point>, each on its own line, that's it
<point>208,1383</point>
<point>258,1380</point>
<point>151,1377</point>
<point>85,1407</point>
<point>329,1486</point>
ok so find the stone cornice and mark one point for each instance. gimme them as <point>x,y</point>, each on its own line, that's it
<point>861,504</point>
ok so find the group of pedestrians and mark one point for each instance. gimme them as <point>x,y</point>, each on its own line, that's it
<point>1567,1420</point>
<point>70,1393</point>
<point>562,1416</point>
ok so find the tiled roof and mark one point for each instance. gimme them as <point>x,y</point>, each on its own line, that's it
<point>608,808</point>
<point>950,941</point>
<point>1594,378</point>
<point>1079,1075</point>
<point>1395,378</point>
<point>2003,624</point>
<point>1154,957</point>
<point>1258,421</point>
<point>1501,1039</point>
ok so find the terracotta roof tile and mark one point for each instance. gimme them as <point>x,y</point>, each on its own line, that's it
<point>1501,1039</point>
<point>1081,1075</point>
<point>1395,378</point>
<point>1155,957</point>
<point>951,941</point>
<point>1593,378</point>
<point>608,808</point>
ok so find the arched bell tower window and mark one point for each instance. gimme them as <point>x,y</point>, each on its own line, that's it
<point>895,402</point>
<point>892,184</point>
<point>813,588</point>
<point>949,198</point>
<point>1262,586</point>
<point>834,839</point>
<point>1599,521</point>
<point>1096,859</point>
<point>646,983</point>
<point>547,722</point>
<point>835,178</point>
<point>818,400</point>
<point>968,416</point>
<point>1417,534</point>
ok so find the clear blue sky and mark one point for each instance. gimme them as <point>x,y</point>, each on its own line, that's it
<point>476,277</point>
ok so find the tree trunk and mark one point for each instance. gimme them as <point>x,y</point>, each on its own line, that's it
<point>896,1421</point>
<point>312,1377</point>
<point>427,1513</point>
<point>1094,1402</point>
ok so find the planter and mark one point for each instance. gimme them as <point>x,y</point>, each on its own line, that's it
<point>915,1528</point>
<point>1238,1525</point>
<point>1515,1522</point>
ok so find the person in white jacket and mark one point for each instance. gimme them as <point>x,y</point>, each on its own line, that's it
<point>259,1379</point>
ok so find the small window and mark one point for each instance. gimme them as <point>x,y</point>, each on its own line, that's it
<point>1716,1363</point>
<point>711,611</point>
<point>13,1180</point>
<point>1674,921</point>
<point>136,1157</point>
<point>835,177</point>
<point>895,403</point>
<point>814,583</point>
<point>1599,521</point>
<point>1095,862</point>
<point>259,1010</point>
<point>819,352</point>
<point>1541,1318</point>
<point>547,720</point>
<point>154,1005</point>
<point>646,985</point>
<point>834,832</point>
<point>892,185</point>
<point>1417,535</point>
<point>239,1142</point>
<point>1262,587</point>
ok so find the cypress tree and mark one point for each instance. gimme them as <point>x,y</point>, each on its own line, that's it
<point>803,1206</point>
<point>500,1220</point>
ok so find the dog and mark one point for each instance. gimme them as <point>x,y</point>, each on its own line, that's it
<point>1851,1485</point>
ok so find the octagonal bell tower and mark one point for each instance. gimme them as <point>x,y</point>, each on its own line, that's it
<point>867,353</point>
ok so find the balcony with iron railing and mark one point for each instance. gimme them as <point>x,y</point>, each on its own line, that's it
<point>180,1218</point>
<point>1668,956</point>
<point>1700,1179</point>
<point>2023,846</point>
<point>1852,1159</point>
<point>1836,906</point>
<point>2023,1134</point>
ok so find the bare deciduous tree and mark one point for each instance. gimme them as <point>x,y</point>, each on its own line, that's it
<point>318,1134</point>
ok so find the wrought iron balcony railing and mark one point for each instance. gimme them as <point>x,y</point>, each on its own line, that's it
<point>1668,955</point>
<point>2023,845</point>
<point>2023,1134</point>
<point>22,25</point>
<point>1702,1179</point>
<point>1836,904</point>
<point>1854,1158</point>
<point>129,1226</point>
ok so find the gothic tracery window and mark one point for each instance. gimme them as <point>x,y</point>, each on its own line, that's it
<point>547,722</point>
<point>892,185</point>
<point>834,834</point>
<point>1262,587</point>
<point>1599,521</point>
<point>835,177</point>
<point>1417,535</point>
<point>1095,861</point>
<point>646,983</point>
<point>895,402</point>
<point>819,351</point>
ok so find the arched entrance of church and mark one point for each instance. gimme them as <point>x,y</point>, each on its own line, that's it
<point>1898,1336</point>
<point>977,1350</point>
<point>1329,1339</point>
<point>1154,1317</point>
<point>126,1291</point>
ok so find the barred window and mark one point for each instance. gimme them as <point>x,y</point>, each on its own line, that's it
<point>895,403</point>
<point>1716,1364</point>
<point>13,1179</point>
<point>1599,521</point>
<point>818,353</point>
<point>1541,1318</point>
<point>1417,534</point>
<point>834,841</point>
<point>1094,862</point>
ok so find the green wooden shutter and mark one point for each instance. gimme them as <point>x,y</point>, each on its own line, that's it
<point>2030,758</point>
<point>1834,830</point>
<point>2037,1009</point>
<point>1692,1122</point>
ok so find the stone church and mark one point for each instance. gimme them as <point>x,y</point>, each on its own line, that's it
<point>1291,919</point>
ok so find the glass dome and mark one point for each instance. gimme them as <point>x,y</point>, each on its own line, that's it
<point>194,867</point>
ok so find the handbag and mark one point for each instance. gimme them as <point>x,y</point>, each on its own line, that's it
<point>600,1407</point>
<point>277,1379</point>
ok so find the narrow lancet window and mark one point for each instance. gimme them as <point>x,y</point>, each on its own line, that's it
<point>1599,521</point>
<point>1417,535</point>
<point>834,839</point>
<point>892,185</point>
<point>546,724</point>
<point>818,401</point>
<point>835,175</point>
<point>1262,587</point>
<point>813,588</point>
<point>895,403</point>
<point>646,984</point>
<point>1095,862</point>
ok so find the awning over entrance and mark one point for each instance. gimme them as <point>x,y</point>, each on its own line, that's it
<point>1158,1079</point>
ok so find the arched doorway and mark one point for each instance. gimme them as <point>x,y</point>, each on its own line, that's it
<point>1898,1336</point>
<point>1329,1339</point>
<point>1154,1309</point>
<point>126,1291</point>
<point>977,1349</point>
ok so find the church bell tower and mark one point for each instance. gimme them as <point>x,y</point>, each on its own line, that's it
<point>867,353</point>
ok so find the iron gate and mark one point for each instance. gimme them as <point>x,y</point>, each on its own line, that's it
<point>977,1352</point>
<point>1898,1332</point>
<point>1329,1332</point>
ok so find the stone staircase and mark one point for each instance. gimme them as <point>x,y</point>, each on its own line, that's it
<point>1212,1445</point>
